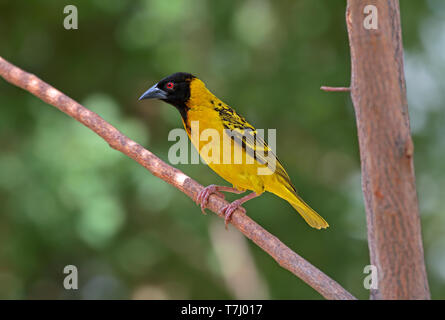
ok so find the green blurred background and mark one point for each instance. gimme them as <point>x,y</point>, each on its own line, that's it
<point>67,198</point>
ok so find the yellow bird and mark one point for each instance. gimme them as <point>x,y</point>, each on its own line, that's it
<point>202,111</point>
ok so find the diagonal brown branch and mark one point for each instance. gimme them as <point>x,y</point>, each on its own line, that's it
<point>288,259</point>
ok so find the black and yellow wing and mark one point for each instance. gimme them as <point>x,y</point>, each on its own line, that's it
<point>253,144</point>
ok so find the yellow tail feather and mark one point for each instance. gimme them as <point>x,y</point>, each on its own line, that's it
<point>309,214</point>
<point>286,191</point>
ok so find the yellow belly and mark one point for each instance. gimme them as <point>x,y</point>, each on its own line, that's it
<point>214,149</point>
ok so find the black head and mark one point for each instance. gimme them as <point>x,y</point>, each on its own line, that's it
<point>174,89</point>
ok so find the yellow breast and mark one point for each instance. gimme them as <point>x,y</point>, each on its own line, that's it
<point>206,131</point>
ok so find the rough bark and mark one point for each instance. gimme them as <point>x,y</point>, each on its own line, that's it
<point>386,150</point>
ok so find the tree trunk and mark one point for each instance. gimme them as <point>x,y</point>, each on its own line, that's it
<point>386,150</point>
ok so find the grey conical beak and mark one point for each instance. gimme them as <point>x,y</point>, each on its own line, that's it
<point>154,93</point>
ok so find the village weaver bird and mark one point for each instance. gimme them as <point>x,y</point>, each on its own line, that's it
<point>197,104</point>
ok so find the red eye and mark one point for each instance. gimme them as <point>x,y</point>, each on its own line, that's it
<point>169,85</point>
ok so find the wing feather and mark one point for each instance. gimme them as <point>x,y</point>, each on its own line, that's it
<point>245,135</point>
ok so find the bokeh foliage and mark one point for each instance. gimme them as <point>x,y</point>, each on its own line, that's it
<point>67,198</point>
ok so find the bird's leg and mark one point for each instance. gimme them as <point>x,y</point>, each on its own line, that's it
<point>203,196</point>
<point>231,207</point>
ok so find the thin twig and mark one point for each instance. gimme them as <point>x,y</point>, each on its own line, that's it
<point>288,259</point>
<point>335,89</point>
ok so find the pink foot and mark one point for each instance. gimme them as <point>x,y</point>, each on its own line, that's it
<point>203,197</point>
<point>230,209</point>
